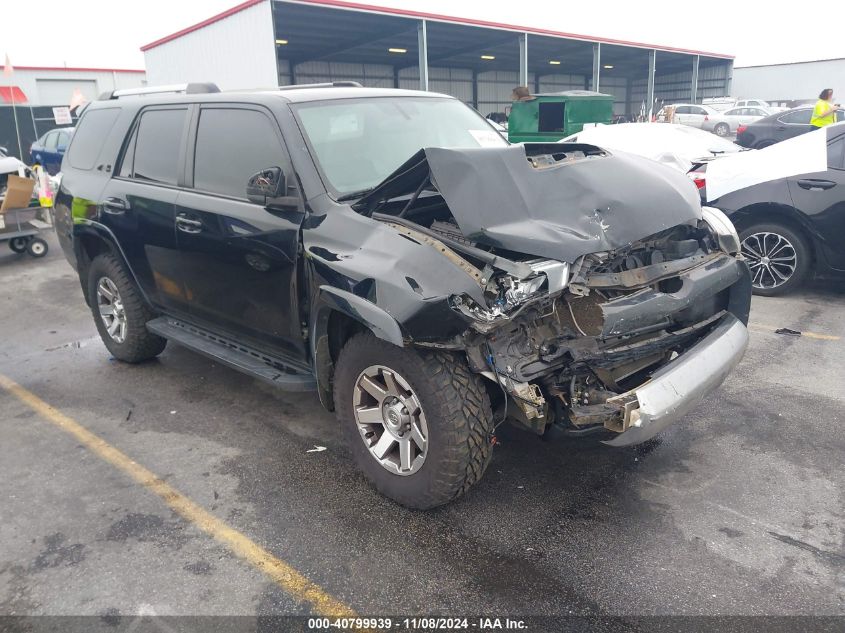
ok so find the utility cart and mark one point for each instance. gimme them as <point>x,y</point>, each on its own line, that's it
<point>20,225</point>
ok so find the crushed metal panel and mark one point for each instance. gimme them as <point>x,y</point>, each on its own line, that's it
<point>565,210</point>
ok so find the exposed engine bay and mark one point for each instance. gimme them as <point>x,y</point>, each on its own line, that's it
<point>568,339</point>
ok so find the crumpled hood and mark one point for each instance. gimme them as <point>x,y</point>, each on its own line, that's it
<point>570,209</point>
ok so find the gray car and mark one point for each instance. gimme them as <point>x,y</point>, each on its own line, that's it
<point>726,123</point>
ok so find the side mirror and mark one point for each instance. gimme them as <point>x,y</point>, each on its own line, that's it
<point>265,185</point>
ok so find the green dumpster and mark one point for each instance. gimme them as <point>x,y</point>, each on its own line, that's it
<point>550,117</point>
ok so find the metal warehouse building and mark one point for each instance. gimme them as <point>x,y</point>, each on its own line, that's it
<point>783,84</point>
<point>263,43</point>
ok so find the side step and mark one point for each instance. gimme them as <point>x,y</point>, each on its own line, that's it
<point>274,370</point>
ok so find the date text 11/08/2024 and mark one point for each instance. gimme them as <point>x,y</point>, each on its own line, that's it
<point>421,624</point>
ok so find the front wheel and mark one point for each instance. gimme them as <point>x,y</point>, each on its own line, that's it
<point>778,256</point>
<point>418,423</point>
<point>120,312</point>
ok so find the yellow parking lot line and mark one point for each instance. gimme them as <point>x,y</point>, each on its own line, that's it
<point>290,580</point>
<point>771,328</point>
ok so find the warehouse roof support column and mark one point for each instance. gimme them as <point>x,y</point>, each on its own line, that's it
<point>729,71</point>
<point>649,95</point>
<point>694,86</point>
<point>422,46</point>
<point>523,59</point>
<point>596,65</point>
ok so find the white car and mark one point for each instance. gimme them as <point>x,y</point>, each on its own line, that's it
<point>690,114</point>
<point>726,123</point>
<point>675,145</point>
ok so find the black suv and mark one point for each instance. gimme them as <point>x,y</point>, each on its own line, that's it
<point>390,250</point>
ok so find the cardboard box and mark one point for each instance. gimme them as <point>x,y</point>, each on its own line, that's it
<point>18,193</point>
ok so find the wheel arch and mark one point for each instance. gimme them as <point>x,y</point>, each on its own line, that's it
<point>338,315</point>
<point>90,241</point>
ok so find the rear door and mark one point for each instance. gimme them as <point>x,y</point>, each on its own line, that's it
<point>696,116</point>
<point>239,259</point>
<point>138,203</point>
<point>821,196</point>
<point>793,123</point>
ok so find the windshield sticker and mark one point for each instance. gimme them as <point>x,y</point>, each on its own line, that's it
<point>487,138</point>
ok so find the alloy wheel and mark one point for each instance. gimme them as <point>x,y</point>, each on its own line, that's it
<point>771,258</point>
<point>390,420</point>
<point>112,311</point>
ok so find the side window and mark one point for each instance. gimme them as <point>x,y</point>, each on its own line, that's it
<point>51,142</point>
<point>89,137</point>
<point>682,110</point>
<point>796,117</point>
<point>232,145</point>
<point>699,111</point>
<point>836,153</point>
<point>157,144</point>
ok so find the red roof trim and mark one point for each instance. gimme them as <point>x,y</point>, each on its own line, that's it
<point>73,69</point>
<point>344,4</point>
<point>203,24</point>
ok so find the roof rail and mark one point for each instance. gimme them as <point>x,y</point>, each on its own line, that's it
<point>188,89</point>
<point>331,84</point>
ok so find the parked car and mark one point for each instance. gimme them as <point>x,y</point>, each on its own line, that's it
<point>751,103</point>
<point>390,250</point>
<point>678,146</point>
<point>690,114</point>
<point>726,123</point>
<point>777,127</point>
<point>9,165</point>
<point>49,150</point>
<point>793,228</point>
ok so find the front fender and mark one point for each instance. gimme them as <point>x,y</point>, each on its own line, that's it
<point>369,315</point>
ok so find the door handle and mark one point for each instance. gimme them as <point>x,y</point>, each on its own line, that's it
<point>187,225</point>
<point>115,206</point>
<point>809,183</point>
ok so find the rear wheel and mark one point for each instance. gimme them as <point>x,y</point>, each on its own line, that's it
<point>120,312</point>
<point>18,244</point>
<point>722,129</point>
<point>778,256</point>
<point>418,423</point>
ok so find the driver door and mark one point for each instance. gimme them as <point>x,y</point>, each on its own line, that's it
<point>239,259</point>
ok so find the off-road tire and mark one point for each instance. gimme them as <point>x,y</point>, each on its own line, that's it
<point>804,258</point>
<point>140,344</point>
<point>458,413</point>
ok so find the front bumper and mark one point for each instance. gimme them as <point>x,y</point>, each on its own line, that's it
<point>676,388</point>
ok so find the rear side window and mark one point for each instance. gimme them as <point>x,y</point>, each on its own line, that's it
<point>683,110</point>
<point>232,145</point>
<point>153,151</point>
<point>796,117</point>
<point>88,140</point>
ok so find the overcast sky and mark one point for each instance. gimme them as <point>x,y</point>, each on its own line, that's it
<point>109,33</point>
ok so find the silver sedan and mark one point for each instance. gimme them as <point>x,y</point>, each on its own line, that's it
<point>725,123</point>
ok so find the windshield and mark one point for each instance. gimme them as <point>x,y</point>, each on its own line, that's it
<point>357,143</point>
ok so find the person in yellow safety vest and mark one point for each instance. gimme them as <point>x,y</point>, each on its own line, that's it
<point>824,112</point>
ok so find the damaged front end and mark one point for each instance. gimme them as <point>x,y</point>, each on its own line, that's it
<point>611,302</point>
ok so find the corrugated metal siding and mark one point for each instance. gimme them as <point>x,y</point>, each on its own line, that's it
<point>788,82</point>
<point>237,52</point>
<point>369,75</point>
<point>677,87</point>
<point>55,94</point>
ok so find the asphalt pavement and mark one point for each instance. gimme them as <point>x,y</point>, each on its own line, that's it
<point>737,510</point>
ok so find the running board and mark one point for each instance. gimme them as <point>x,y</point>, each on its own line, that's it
<point>274,370</point>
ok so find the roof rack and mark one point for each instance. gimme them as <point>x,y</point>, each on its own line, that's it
<point>331,84</point>
<point>188,89</point>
